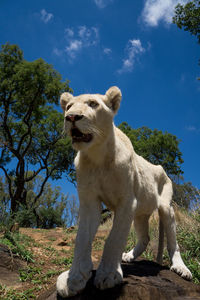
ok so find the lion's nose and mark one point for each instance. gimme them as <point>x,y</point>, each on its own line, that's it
<point>73,118</point>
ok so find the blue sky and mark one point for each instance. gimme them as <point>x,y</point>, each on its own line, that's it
<point>132,44</point>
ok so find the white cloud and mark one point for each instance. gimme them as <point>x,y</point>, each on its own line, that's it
<point>73,48</point>
<point>57,52</point>
<point>89,36</point>
<point>102,3</point>
<point>192,128</point>
<point>78,39</point>
<point>159,10</point>
<point>107,51</point>
<point>69,32</point>
<point>133,49</point>
<point>45,16</point>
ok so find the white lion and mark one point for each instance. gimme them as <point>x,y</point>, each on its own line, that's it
<point>109,171</point>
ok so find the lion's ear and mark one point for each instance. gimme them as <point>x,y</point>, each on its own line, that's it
<point>113,98</point>
<point>64,99</point>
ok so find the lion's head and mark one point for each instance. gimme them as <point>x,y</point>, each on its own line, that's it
<point>88,118</point>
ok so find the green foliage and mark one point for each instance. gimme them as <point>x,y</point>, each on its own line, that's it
<point>31,127</point>
<point>157,147</point>
<point>50,210</point>
<point>190,245</point>
<point>188,17</point>
<point>131,240</point>
<point>163,149</point>
<point>67,261</point>
<point>190,242</point>
<point>186,195</point>
<point>25,217</point>
<point>27,274</point>
<point>18,245</point>
<point>196,213</point>
<point>34,275</point>
<point>12,294</point>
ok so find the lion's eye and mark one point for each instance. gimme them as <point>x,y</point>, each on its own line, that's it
<point>93,104</point>
<point>69,106</point>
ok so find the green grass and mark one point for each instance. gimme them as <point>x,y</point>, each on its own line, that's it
<point>51,238</point>
<point>188,237</point>
<point>131,241</point>
<point>42,271</point>
<point>18,244</point>
<point>36,276</point>
<point>190,250</point>
<point>66,261</point>
<point>10,294</point>
<point>71,231</point>
<point>29,273</point>
<point>49,249</point>
<point>98,243</point>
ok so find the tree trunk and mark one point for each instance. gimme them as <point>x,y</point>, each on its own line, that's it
<point>13,206</point>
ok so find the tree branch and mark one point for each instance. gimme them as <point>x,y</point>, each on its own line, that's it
<point>35,173</point>
<point>5,125</point>
<point>9,181</point>
<point>26,120</point>
<point>42,188</point>
<point>29,143</point>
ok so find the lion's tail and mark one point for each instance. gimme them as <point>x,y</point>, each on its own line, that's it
<point>159,258</point>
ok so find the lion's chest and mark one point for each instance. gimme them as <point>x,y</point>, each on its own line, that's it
<point>108,184</point>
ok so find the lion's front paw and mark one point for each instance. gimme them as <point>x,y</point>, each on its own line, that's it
<point>182,270</point>
<point>70,284</point>
<point>106,279</point>
<point>128,257</point>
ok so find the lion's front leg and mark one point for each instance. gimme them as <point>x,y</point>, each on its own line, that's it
<point>71,282</point>
<point>109,272</point>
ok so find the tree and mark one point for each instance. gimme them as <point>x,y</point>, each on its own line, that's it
<point>72,211</point>
<point>188,17</point>
<point>4,201</point>
<point>186,195</point>
<point>157,147</point>
<point>163,149</point>
<point>51,209</point>
<point>30,126</point>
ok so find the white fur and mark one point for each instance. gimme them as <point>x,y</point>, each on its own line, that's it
<point>109,171</point>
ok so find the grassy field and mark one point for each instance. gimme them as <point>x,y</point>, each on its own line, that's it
<point>49,252</point>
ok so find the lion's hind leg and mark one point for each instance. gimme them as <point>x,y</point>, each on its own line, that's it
<point>167,217</point>
<point>141,225</point>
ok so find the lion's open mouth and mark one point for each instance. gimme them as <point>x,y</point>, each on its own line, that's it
<point>78,136</point>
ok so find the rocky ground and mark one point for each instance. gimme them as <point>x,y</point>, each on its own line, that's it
<point>142,280</point>
<point>29,269</point>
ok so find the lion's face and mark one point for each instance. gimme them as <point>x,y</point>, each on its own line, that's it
<point>88,118</point>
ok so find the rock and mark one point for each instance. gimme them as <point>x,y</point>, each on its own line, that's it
<point>9,267</point>
<point>143,280</point>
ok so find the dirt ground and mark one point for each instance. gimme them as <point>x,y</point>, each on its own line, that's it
<point>52,252</point>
